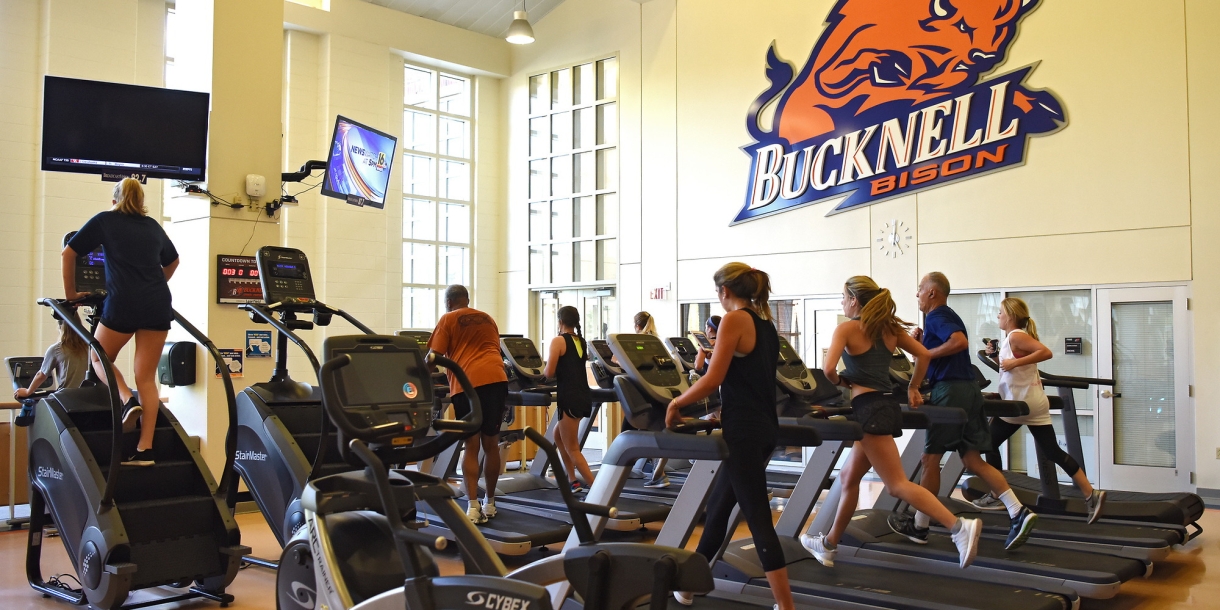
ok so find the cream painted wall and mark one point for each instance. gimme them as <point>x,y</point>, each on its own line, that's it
<point>1118,197</point>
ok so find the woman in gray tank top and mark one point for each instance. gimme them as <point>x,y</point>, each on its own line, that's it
<point>865,343</point>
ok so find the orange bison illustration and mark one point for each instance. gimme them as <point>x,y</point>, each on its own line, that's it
<point>874,52</point>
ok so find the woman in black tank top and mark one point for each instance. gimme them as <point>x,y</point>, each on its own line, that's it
<point>566,365</point>
<point>745,372</point>
<point>872,333</point>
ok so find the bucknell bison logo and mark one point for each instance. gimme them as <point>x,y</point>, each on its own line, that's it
<point>893,101</point>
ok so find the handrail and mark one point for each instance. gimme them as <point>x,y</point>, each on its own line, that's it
<point>60,307</point>
<point>1050,379</point>
<point>231,403</point>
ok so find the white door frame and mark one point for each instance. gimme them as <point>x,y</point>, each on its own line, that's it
<point>1144,478</point>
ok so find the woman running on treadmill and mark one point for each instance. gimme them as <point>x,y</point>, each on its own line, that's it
<point>701,359</point>
<point>566,365</point>
<point>745,374</point>
<point>866,344</point>
<point>657,479</point>
<point>140,259</point>
<point>1018,358</point>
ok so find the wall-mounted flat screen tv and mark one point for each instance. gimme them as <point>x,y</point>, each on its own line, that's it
<point>95,127</point>
<point>359,163</point>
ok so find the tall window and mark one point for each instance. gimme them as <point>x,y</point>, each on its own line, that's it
<point>573,183</point>
<point>437,171</point>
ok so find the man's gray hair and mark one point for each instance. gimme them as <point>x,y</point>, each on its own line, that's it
<point>938,280</point>
<point>456,292</point>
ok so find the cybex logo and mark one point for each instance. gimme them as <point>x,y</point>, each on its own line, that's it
<point>50,473</point>
<point>251,456</point>
<point>303,596</point>
<point>495,601</point>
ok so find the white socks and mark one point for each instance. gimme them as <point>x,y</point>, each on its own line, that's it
<point>1011,503</point>
<point>922,521</point>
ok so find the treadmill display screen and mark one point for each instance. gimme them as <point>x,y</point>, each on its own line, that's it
<point>289,270</point>
<point>383,378</point>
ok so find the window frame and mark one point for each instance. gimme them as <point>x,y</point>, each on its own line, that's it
<point>437,159</point>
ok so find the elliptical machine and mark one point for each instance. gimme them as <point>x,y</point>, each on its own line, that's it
<point>359,539</point>
<point>126,528</point>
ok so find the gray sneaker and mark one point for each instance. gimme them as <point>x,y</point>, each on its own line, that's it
<point>1095,503</point>
<point>989,502</point>
<point>817,546</point>
<point>661,483</point>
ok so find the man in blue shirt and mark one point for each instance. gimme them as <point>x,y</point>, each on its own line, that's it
<point>951,378</point>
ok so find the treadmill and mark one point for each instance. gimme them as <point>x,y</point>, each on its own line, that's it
<point>644,392</point>
<point>532,490</point>
<point>1046,495</point>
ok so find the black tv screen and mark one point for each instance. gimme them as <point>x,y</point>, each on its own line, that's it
<point>94,127</point>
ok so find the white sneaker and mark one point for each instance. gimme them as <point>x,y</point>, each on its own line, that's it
<point>475,513</point>
<point>817,546</point>
<point>686,599</point>
<point>967,541</point>
<point>989,502</point>
<point>489,509</point>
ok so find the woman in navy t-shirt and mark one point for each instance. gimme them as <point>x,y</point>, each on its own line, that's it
<point>140,259</point>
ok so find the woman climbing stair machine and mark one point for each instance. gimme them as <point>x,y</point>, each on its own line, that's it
<point>127,528</point>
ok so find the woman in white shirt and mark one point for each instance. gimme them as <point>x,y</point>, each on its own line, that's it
<point>1019,356</point>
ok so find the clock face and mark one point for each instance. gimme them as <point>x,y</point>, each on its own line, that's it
<point>895,238</point>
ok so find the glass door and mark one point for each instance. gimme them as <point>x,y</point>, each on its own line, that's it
<point>1144,434</point>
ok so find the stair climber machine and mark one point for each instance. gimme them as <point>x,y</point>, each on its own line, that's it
<point>1046,495</point>
<point>283,434</point>
<point>645,390</point>
<point>127,529</point>
<point>359,539</point>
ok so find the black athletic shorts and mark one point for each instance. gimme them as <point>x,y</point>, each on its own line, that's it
<point>492,399</point>
<point>878,413</point>
<point>128,327</point>
<point>974,435</point>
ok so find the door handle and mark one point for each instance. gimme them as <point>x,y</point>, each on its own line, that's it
<point>1109,394</point>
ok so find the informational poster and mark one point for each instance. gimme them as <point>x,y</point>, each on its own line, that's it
<point>232,359</point>
<point>258,344</point>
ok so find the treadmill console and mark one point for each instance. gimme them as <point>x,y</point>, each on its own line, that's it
<point>421,336</point>
<point>645,359</point>
<point>791,371</point>
<point>90,268</point>
<point>601,355</point>
<point>21,370</point>
<point>684,350</point>
<point>386,386</point>
<point>522,355</point>
<point>285,276</point>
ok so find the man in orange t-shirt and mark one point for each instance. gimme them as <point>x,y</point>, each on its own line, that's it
<point>471,338</point>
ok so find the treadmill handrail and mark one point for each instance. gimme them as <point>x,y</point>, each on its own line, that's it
<point>60,307</point>
<point>1050,379</point>
<point>227,474</point>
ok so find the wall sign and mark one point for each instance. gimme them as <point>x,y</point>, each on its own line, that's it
<point>232,359</point>
<point>258,344</point>
<point>1073,345</point>
<point>891,102</point>
<point>237,280</point>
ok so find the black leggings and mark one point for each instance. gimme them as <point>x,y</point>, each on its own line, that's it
<point>743,481</point>
<point>1044,436</point>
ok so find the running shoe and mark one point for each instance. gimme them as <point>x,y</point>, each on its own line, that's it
<point>989,502</point>
<point>661,483</point>
<point>686,599</point>
<point>1022,526</point>
<point>489,508</point>
<point>904,525</point>
<point>131,415</point>
<point>817,546</point>
<point>141,458</point>
<point>1095,502</point>
<point>577,487</point>
<point>967,541</point>
<point>475,513</point>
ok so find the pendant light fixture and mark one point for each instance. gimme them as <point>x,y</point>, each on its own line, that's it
<point>520,31</point>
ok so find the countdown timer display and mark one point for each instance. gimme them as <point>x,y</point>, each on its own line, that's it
<point>237,280</point>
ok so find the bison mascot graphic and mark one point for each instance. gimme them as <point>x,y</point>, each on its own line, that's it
<point>883,60</point>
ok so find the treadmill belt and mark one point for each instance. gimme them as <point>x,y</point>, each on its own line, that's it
<point>663,494</point>
<point>1054,562</point>
<point>1103,533</point>
<point>1190,505</point>
<point>895,588</point>
<point>509,526</point>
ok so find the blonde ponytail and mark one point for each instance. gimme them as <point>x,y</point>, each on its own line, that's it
<point>878,312</point>
<point>71,343</point>
<point>749,283</point>
<point>1018,312</point>
<point>129,197</point>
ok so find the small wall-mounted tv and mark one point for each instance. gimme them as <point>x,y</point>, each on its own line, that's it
<point>359,163</point>
<point>94,127</point>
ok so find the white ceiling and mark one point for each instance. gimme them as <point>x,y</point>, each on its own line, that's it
<point>491,17</point>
